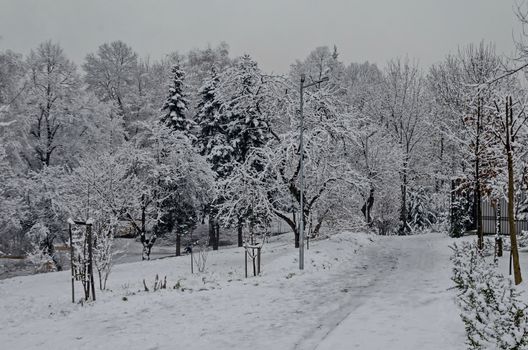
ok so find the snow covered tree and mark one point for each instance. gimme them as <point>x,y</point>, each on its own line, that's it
<point>176,184</point>
<point>53,84</point>
<point>512,134</point>
<point>41,198</point>
<point>245,194</point>
<point>198,64</point>
<point>243,93</point>
<point>405,117</point>
<point>212,138</point>
<point>462,90</point>
<point>103,190</point>
<point>110,75</point>
<point>327,174</point>
<point>373,156</point>
<point>41,252</point>
<point>12,207</point>
<point>241,122</point>
<point>12,72</point>
<point>175,106</point>
<point>321,62</point>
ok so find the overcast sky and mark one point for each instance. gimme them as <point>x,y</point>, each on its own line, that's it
<point>275,32</point>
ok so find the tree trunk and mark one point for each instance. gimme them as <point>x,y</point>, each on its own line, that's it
<point>178,244</point>
<point>212,235</point>
<point>216,239</point>
<point>403,209</point>
<point>480,235</point>
<point>367,207</point>
<point>90,260</point>
<point>239,229</point>
<point>292,223</point>
<point>100,280</point>
<point>511,214</point>
<point>296,234</point>
<point>439,183</point>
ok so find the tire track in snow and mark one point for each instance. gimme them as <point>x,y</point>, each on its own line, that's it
<point>358,280</point>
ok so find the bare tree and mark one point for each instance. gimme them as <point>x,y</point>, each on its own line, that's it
<point>512,126</point>
<point>110,73</point>
<point>52,85</point>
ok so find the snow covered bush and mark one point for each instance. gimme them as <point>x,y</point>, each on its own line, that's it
<point>421,212</point>
<point>157,285</point>
<point>492,312</point>
<point>522,239</point>
<point>103,251</point>
<point>41,251</point>
<point>200,257</point>
<point>387,212</point>
<point>460,217</point>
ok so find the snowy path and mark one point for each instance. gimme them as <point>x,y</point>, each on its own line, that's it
<point>354,293</point>
<point>410,308</point>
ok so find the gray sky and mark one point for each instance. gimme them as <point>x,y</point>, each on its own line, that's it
<point>275,32</point>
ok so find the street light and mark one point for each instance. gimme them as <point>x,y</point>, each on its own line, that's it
<point>301,148</point>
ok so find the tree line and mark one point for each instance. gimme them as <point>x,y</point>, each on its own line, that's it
<point>155,146</point>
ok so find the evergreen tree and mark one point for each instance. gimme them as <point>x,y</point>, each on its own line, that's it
<point>247,127</point>
<point>175,106</point>
<point>242,122</point>
<point>230,115</point>
<point>212,137</point>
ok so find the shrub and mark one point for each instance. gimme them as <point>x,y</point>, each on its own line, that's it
<point>493,314</point>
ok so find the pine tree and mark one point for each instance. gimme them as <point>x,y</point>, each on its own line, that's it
<point>175,106</point>
<point>247,127</point>
<point>212,137</point>
<point>231,119</point>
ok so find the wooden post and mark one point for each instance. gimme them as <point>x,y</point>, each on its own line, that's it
<point>71,264</point>
<point>90,259</point>
<point>253,260</point>
<point>192,261</point>
<point>245,260</point>
<point>258,260</point>
<point>498,229</point>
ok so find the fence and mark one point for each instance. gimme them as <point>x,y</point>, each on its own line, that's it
<point>495,218</point>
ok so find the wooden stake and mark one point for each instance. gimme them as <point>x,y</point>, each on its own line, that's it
<point>71,264</point>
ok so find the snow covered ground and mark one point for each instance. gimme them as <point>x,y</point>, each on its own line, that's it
<point>357,291</point>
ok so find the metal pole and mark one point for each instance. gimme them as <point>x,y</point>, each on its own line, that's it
<point>301,149</point>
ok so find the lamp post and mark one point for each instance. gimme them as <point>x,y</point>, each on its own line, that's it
<point>301,150</point>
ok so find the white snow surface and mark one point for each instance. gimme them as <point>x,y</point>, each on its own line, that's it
<point>357,291</point>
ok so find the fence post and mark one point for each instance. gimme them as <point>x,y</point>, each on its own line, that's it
<point>258,260</point>
<point>71,264</point>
